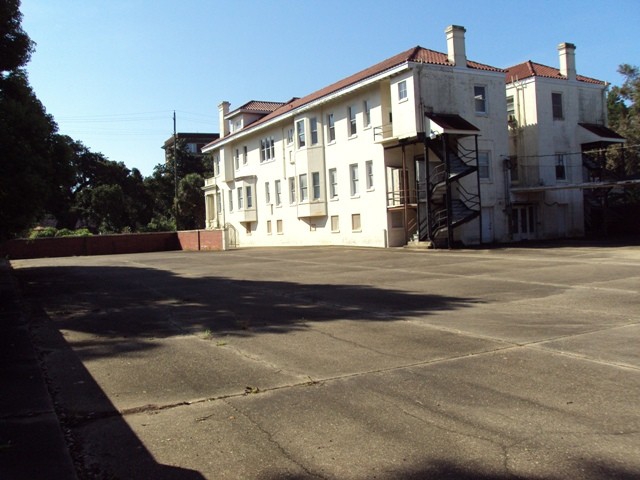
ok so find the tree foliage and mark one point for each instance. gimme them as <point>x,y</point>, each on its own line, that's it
<point>624,116</point>
<point>15,44</point>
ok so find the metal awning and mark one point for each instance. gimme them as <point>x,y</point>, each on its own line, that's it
<point>592,133</point>
<point>451,123</point>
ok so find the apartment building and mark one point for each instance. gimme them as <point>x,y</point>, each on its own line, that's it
<point>557,123</point>
<point>408,150</point>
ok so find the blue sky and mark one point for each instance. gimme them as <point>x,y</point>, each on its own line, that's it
<point>112,72</point>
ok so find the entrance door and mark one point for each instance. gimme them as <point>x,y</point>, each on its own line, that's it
<point>487,225</point>
<point>523,222</point>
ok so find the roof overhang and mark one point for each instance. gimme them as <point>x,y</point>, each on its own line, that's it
<point>450,123</point>
<point>592,133</point>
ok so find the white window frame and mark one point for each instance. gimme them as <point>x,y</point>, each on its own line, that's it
<point>333,183</point>
<point>353,124</point>
<point>354,179</point>
<point>292,190</point>
<point>249,195</point>
<point>557,105</point>
<point>315,185</point>
<point>484,165</point>
<point>278,189</point>
<point>366,111</point>
<point>267,193</point>
<point>300,134</point>
<point>303,183</point>
<point>331,128</point>
<point>313,130</point>
<point>480,104</point>
<point>240,198</point>
<point>403,94</point>
<point>231,200</point>
<point>368,166</point>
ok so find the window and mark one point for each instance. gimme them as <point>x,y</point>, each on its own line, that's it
<point>267,149</point>
<point>279,226</point>
<point>268,227</point>
<point>402,90</point>
<point>231,200</point>
<point>236,158</point>
<point>292,190</point>
<point>352,121</point>
<point>218,201</point>
<point>278,193</point>
<point>335,223</point>
<point>355,222</point>
<point>300,133</point>
<point>313,127</point>
<point>249,197</point>
<point>244,155</point>
<point>480,98</point>
<point>267,193</point>
<point>216,165</point>
<point>331,128</point>
<point>369,171</point>
<point>561,173</point>
<point>556,105</point>
<point>315,182</point>
<point>304,189</point>
<point>290,136</point>
<point>483,166</point>
<point>511,109</point>
<point>366,109</point>
<point>240,199</point>
<point>333,183</point>
<point>353,175</point>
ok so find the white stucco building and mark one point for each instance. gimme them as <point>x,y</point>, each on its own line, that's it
<point>555,117</point>
<point>410,149</point>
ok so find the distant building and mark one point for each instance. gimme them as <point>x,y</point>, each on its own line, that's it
<point>194,142</point>
<point>557,122</point>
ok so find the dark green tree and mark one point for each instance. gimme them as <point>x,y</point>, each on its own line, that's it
<point>15,44</point>
<point>29,164</point>
<point>191,210</point>
<point>624,117</point>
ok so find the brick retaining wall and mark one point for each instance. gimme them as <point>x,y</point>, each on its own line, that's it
<point>112,244</point>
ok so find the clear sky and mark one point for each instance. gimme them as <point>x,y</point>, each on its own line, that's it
<point>112,72</point>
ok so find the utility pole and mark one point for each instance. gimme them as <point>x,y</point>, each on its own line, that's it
<point>175,170</point>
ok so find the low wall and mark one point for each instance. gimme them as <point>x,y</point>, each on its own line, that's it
<point>112,244</point>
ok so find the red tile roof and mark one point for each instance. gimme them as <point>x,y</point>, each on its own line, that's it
<point>258,106</point>
<point>531,69</point>
<point>416,55</point>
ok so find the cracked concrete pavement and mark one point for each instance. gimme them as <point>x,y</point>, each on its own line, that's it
<point>344,363</point>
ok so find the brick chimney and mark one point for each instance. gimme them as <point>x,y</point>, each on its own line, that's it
<point>456,51</point>
<point>223,110</point>
<point>567,53</point>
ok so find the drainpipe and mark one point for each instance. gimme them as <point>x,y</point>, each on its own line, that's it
<point>405,199</point>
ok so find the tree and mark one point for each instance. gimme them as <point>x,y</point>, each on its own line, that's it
<point>190,206</point>
<point>15,45</point>
<point>623,104</point>
<point>27,139</point>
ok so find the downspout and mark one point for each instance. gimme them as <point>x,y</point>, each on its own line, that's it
<point>405,199</point>
<point>479,193</point>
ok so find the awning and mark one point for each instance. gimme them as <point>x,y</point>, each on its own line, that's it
<point>591,133</point>
<point>451,123</point>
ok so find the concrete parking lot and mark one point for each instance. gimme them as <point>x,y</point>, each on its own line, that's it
<point>344,363</point>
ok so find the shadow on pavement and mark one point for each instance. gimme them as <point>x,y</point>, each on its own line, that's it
<point>123,308</point>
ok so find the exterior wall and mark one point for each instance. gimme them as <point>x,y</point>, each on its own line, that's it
<point>537,140</point>
<point>451,90</point>
<point>310,221</point>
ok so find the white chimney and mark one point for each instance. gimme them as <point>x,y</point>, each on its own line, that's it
<point>223,110</point>
<point>455,45</point>
<point>567,53</point>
